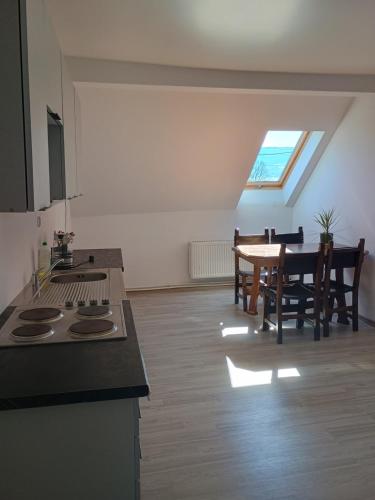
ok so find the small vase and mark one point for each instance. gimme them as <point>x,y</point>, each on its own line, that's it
<point>64,250</point>
<point>326,237</point>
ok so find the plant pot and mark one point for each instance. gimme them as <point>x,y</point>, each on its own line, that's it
<point>326,237</point>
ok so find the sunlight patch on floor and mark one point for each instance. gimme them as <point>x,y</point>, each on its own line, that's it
<point>287,372</point>
<point>239,330</point>
<point>240,377</point>
<point>235,330</point>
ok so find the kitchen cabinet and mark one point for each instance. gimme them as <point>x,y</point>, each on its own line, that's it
<point>31,84</point>
<point>78,120</point>
<point>86,451</point>
<point>44,65</point>
<point>70,132</point>
<point>16,186</point>
<point>71,425</point>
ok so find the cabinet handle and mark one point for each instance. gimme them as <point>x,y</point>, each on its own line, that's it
<point>55,116</point>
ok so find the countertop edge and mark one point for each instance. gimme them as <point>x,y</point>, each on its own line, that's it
<point>92,395</point>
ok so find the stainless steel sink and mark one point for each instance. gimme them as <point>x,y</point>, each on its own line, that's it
<point>84,284</point>
<point>78,277</point>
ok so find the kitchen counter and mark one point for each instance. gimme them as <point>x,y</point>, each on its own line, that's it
<point>55,374</point>
<point>103,257</point>
<point>40,386</point>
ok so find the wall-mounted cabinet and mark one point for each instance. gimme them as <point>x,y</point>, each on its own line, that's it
<point>70,131</point>
<point>32,83</point>
<point>16,186</point>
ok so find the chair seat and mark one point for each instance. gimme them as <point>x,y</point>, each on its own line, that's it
<point>339,288</point>
<point>291,291</point>
<point>334,287</point>
<point>251,273</point>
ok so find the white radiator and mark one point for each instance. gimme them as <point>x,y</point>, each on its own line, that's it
<point>212,259</point>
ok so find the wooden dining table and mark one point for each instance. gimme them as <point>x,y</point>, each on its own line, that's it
<point>267,257</point>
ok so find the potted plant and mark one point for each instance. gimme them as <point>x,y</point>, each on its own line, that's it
<point>327,220</point>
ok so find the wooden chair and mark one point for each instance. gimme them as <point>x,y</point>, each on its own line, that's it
<point>339,259</point>
<point>240,274</point>
<point>306,298</point>
<point>287,238</point>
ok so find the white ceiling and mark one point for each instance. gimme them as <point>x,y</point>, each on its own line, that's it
<point>322,36</point>
<point>157,149</point>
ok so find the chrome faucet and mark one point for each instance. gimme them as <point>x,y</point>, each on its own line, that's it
<point>38,280</point>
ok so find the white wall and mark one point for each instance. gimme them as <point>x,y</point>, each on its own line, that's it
<point>345,179</point>
<point>163,166</point>
<point>155,245</point>
<point>160,149</point>
<point>19,241</point>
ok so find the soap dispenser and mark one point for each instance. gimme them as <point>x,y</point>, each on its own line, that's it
<point>44,256</point>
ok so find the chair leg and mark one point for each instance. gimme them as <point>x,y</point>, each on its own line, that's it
<point>244,293</point>
<point>327,316</point>
<point>317,320</point>
<point>301,309</point>
<point>244,302</point>
<point>279,331</point>
<point>266,314</point>
<point>331,303</point>
<point>279,323</point>
<point>355,311</point>
<point>236,288</point>
<point>317,331</point>
<point>342,317</point>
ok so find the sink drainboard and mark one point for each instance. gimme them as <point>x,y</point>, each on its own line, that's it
<point>60,293</point>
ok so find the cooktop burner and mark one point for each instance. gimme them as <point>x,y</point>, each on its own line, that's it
<point>92,327</point>
<point>47,324</point>
<point>32,332</point>
<point>41,314</point>
<point>94,311</point>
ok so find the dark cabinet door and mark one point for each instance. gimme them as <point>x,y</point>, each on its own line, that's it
<point>16,193</point>
<point>56,157</point>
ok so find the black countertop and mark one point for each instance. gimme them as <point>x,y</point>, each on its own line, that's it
<point>54,374</point>
<point>103,257</point>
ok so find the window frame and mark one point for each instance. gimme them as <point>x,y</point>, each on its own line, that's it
<point>287,170</point>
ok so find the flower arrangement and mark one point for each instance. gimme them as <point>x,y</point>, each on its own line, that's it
<point>63,238</point>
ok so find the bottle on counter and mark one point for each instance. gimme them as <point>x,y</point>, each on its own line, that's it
<point>44,257</point>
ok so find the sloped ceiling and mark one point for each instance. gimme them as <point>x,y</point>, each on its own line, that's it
<point>155,149</point>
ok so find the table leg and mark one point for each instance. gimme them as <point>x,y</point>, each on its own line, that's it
<point>269,275</point>
<point>341,301</point>
<point>254,292</point>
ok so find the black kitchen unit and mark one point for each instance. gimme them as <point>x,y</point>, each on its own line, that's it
<point>16,185</point>
<point>56,156</point>
<point>16,165</point>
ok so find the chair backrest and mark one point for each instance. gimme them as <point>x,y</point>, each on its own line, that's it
<point>287,237</point>
<point>346,258</point>
<point>251,239</point>
<point>301,263</point>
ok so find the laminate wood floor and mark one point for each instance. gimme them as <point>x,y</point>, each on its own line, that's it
<point>299,422</point>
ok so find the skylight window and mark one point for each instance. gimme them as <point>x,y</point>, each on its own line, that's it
<point>276,157</point>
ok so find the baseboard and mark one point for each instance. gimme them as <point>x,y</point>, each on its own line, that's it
<point>368,321</point>
<point>210,284</point>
